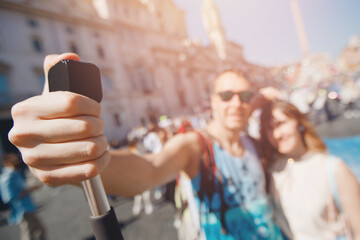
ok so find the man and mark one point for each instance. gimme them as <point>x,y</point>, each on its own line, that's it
<point>17,196</point>
<point>61,138</point>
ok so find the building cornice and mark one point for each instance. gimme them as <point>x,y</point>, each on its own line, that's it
<point>69,19</point>
<point>124,25</point>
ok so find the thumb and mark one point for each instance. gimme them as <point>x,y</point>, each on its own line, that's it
<point>51,60</point>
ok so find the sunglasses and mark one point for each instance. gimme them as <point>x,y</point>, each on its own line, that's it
<point>244,96</point>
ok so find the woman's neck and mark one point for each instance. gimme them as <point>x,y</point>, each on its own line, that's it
<point>298,153</point>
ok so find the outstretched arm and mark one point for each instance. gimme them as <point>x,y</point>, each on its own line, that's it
<point>128,175</point>
<point>60,136</point>
<point>349,194</point>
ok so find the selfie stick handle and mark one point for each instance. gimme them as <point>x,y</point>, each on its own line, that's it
<point>103,219</point>
<point>95,196</point>
<point>84,78</point>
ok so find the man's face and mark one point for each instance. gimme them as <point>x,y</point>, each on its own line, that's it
<point>231,113</point>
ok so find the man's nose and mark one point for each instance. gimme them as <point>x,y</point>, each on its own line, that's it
<point>235,100</point>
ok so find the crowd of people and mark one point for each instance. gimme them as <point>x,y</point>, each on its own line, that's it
<point>278,184</point>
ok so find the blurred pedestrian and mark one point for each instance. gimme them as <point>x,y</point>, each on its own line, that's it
<point>135,142</point>
<point>153,142</point>
<point>16,194</point>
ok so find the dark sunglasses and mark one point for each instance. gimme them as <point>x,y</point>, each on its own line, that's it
<point>244,96</point>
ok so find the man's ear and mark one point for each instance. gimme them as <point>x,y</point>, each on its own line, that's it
<point>213,103</point>
<point>51,60</point>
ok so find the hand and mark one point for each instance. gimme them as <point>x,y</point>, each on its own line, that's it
<point>265,94</point>
<point>270,93</point>
<point>60,134</point>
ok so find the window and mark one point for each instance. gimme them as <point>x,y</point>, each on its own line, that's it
<point>180,91</point>
<point>41,78</point>
<point>4,90</point>
<point>133,81</point>
<point>144,79</point>
<point>32,23</point>
<point>181,96</point>
<point>100,51</point>
<point>117,119</point>
<point>126,11</point>
<point>37,44</point>
<point>1,42</point>
<point>69,30</point>
<point>73,48</point>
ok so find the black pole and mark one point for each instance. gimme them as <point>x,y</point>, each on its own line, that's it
<point>106,226</point>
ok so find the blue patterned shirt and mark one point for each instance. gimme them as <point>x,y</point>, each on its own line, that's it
<point>248,215</point>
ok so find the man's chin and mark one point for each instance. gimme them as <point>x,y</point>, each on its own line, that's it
<point>235,126</point>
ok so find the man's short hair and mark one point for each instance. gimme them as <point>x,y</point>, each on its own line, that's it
<point>238,72</point>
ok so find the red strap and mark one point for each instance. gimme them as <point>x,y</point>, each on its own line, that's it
<point>207,147</point>
<point>205,152</point>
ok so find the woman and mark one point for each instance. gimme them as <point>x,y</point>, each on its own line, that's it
<point>315,192</point>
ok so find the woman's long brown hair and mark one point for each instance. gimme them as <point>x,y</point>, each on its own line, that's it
<point>311,140</point>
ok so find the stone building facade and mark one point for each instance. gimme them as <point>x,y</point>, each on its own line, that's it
<point>149,66</point>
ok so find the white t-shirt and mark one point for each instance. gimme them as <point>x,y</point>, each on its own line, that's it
<point>305,197</point>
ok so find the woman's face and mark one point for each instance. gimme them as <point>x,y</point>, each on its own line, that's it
<point>284,134</point>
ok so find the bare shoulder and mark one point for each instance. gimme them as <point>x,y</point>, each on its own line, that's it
<point>182,142</point>
<point>188,138</point>
<point>186,146</point>
<point>344,176</point>
<point>341,169</point>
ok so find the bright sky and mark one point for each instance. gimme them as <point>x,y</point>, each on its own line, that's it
<point>266,29</point>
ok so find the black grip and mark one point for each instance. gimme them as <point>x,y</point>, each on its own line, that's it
<point>106,227</point>
<point>78,77</point>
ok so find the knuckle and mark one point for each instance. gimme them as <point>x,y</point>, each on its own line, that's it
<point>91,149</point>
<point>71,102</point>
<point>19,138</point>
<point>31,159</point>
<point>101,124</point>
<point>13,136</point>
<point>104,161</point>
<point>45,177</point>
<point>91,171</point>
<point>18,109</point>
<point>83,127</point>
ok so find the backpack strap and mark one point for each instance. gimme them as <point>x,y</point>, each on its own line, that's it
<point>209,174</point>
<point>207,181</point>
<point>209,152</point>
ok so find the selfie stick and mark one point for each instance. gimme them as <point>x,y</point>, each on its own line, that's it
<point>84,78</point>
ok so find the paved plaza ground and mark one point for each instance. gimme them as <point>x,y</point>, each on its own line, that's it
<point>65,212</point>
